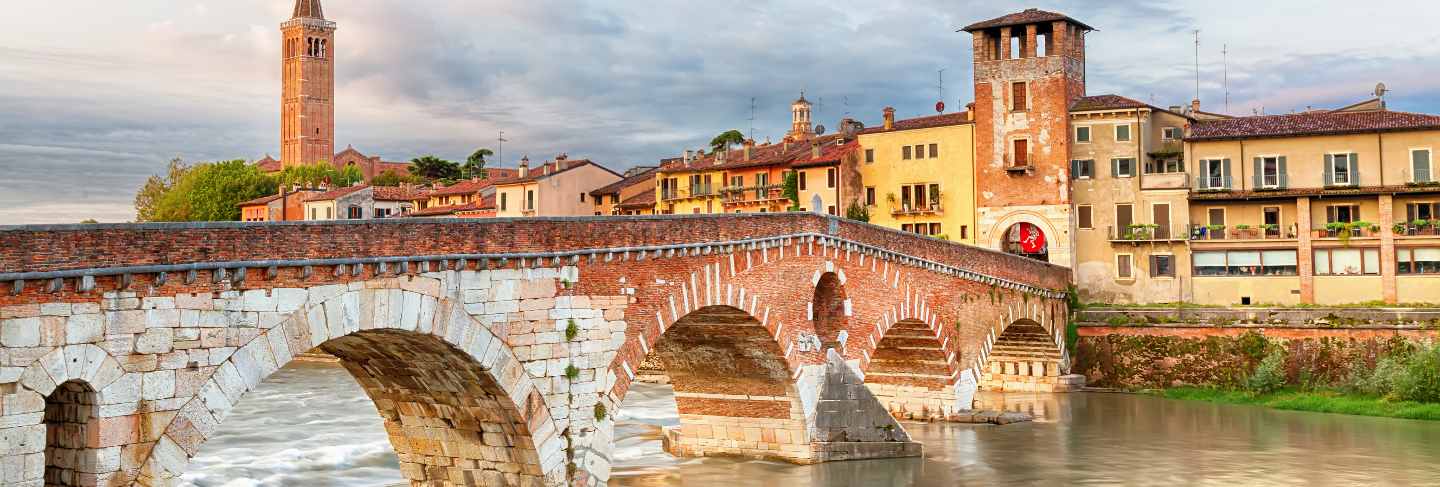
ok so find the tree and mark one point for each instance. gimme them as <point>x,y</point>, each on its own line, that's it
<point>89,221</point>
<point>475,164</point>
<point>147,200</point>
<point>320,173</point>
<point>857,212</point>
<point>204,192</point>
<point>434,168</point>
<point>791,190</point>
<point>726,139</point>
<point>391,178</point>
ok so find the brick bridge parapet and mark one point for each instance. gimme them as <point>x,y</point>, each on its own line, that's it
<point>772,326</point>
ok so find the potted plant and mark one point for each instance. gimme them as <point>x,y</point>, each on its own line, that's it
<point>1216,231</point>
<point>1271,228</point>
<point>1244,230</point>
<point>1399,228</point>
<point>1420,225</point>
<point>1359,228</point>
<point>1139,231</point>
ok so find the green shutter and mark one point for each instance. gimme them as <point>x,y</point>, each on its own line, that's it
<point>1282,176</point>
<point>1258,178</point>
<point>1354,169</point>
<point>1328,171</point>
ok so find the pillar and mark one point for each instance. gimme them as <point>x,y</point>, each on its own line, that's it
<point>1027,45</point>
<point>1004,43</point>
<point>1306,254</point>
<point>1387,249</point>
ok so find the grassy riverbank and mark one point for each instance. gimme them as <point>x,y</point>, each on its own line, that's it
<point>1313,401</point>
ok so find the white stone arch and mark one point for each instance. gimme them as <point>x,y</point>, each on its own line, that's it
<point>25,408</point>
<point>1059,243</point>
<point>402,305</point>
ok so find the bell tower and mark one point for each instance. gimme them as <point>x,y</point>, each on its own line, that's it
<point>1029,68</point>
<point>307,92</point>
<point>800,124</point>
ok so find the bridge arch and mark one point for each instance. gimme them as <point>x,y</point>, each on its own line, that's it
<point>1025,356</point>
<point>459,406</point>
<point>830,310</point>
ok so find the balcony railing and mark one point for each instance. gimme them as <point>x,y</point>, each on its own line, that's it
<point>1213,183</point>
<point>1242,232</point>
<point>1165,180</point>
<point>1418,228</point>
<point>1347,230</point>
<point>752,194</point>
<point>1143,232</point>
<point>907,209</point>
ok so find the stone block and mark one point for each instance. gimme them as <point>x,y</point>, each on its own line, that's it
<point>155,340</point>
<point>122,322</point>
<point>158,303</point>
<point>159,384</point>
<point>20,332</point>
<point>84,328</point>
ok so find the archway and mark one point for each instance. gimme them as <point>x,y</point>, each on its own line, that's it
<point>829,312</point>
<point>1028,240</point>
<point>909,373</point>
<point>1024,358</point>
<point>71,413</point>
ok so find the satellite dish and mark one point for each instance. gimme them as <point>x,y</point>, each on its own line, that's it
<point>1380,90</point>
<point>940,106</point>
<point>819,130</point>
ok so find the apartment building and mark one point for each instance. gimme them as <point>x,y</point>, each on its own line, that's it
<point>556,188</point>
<point>918,175</point>
<point>360,202</point>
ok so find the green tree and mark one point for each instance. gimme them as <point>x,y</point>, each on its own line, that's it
<point>89,221</point>
<point>726,139</point>
<point>391,178</point>
<point>857,212</point>
<point>791,191</point>
<point>206,192</point>
<point>320,173</point>
<point>434,168</point>
<point>475,164</point>
<point>147,200</point>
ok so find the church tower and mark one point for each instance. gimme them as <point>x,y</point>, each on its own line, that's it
<point>307,94</point>
<point>800,128</point>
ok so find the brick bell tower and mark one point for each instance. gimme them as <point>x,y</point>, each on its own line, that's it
<point>307,94</point>
<point>1029,68</point>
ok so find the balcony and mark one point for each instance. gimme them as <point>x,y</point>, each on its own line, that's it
<point>1144,232</point>
<point>1242,232</point>
<point>1168,180</point>
<point>1347,231</point>
<point>906,209</point>
<point>1417,228</point>
<point>694,192</point>
<point>1213,183</point>
<point>770,193</point>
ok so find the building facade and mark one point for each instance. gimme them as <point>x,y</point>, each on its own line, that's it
<point>557,188</point>
<point>918,175</point>
<point>307,106</point>
<point>638,180</point>
<point>360,202</point>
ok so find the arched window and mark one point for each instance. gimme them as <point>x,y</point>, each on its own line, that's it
<point>70,419</point>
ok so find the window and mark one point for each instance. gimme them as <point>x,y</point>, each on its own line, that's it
<point>801,181</point>
<point>1160,216</point>
<point>530,199</point>
<point>1420,168</point>
<point>1342,213</point>
<point>1245,263</point>
<point>1021,153</point>
<point>1417,260</point>
<point>1122,132</point>
<point>1162,265</point>
<point>905,152</point>
<point>737,181</point>
<point>1084,217</point>
<point>1347,262</point>
<point>313,213</point>
<point>582,197</point>
<point>503,195</point>
<point>1122,267</point>
<point>353,212</point>
<point>1340,169</point>
<point>1164,165</point>
<point>1214,174</point>
<point>1421,211</point>
<point>1122,167</point>
<point>329,212</point>
<point>934,150</point>
<point>869,196</point>
<point>1170,133</point>
<point>869,156</point>
<point>919,151</point>
<point>1082,135</point>
<point>830,177</point>
<point>934,229</point>
<point>382,212</point>
<point>1271,217</point>
<point>831,210</point>
<point>964,232</point>
<point>1082,169</point>
<point>615,199</point>
<point>1017,96</point>
<point>1270,172</point>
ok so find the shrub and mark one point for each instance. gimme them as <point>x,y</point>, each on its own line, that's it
<point>571,330</point>
<point>1378,381</point>
<point>1269,376</point>
<point>1421,378</point>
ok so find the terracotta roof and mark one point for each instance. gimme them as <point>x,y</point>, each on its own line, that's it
<point>615,187</point>
<point>268,164</point>
<point>555,167</point>
<point>335,193</point>
<point>1106,102</point>
<point>642,200</point>
<point>396,193</point>
<point>1311,123</point>
<point>260,201</point>
<point>463,187</point>
<point>926,122</point>
<point>831,153</point>
<point>488,203</point>
<point>760,155</point>
<point>1029,16</point>
<point>308,9</point>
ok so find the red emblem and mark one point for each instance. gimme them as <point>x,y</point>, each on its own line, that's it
<point>940,106</point>
<point>1032,240</point>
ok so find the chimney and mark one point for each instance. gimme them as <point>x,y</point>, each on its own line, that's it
<point>688,155</point>
<point>814,151</point>
<point>562,156</point>
<point>889,118</point>
<point>524,166</point>
<point>1195,106</point>
<point>970,111</point>
<point>749,143</point>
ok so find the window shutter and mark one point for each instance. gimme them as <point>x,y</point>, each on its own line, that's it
<point>1354,169</point>
<point>1074,169</point>
<point>1258,177</point>
<point>1329,170</point>
<point>1114,168</point>
<point>1409,212</point>
<point>1421,167</point>
<point>1225,171</point>
<point>1283,176</point>
<point>1203,179</point>
<point>1329,214</point>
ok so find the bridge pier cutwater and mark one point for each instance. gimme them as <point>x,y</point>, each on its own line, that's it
<point>497,352</point>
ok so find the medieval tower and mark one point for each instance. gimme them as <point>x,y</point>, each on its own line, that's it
<point>801,127</point>
<point>1029,68</point>
<point>307,99</point>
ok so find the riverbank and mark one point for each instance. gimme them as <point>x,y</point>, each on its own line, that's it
<point>1310,401</point>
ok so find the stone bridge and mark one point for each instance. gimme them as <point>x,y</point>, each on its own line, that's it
<point>499,351</point>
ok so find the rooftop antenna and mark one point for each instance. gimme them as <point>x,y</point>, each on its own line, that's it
<point>1197,64</point>
<point>845,101</point>
<point>940,105</point>
<point>752,118</point>
<point>1380,91</point>
<point>501,140</point>
<point>1225,76</point>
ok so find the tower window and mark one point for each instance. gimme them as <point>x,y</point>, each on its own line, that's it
<point>1017,96</point>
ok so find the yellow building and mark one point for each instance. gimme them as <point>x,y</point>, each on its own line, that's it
<point>918,175</point>
<point>558,188</point>
<point>689,185</point>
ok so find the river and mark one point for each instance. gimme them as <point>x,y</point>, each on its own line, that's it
<point>311,425</point>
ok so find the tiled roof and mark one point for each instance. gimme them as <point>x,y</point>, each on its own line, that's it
<point>930,121</point>
<point>642,200</point>
<point>335,193</point>
<point>488,203</point>
<point>1029,16</point>
<point>1311,123</point>
<point>396,193</point>
<point>400,168</point>
<point>1106,102</point>
<point>261,200</point>
<point>555,167</point>
<point>308,9</point>
<point>463,187</point>
<point>760,155</point>
<point>829,154</point>
<point>615,187</point>
<point>268,164</point>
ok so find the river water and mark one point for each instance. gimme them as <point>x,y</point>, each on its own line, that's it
<point>311,425</point>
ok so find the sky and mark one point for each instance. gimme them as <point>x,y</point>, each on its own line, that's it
<point>97,95</point>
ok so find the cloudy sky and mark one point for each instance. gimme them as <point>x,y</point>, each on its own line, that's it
<point>96,95</point>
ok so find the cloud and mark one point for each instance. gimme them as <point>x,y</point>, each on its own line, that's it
<point>115,91</point>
